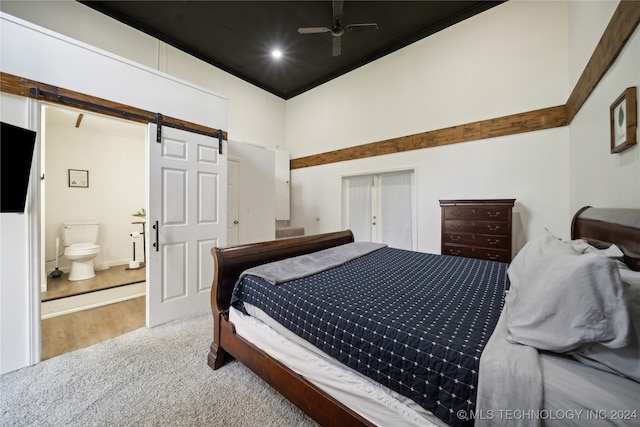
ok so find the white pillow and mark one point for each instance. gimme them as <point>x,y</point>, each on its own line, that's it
<point>567,301</point>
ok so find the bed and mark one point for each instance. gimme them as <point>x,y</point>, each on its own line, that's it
<point>407,359</point>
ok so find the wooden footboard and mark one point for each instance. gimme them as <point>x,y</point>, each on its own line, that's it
<point>229,263</point>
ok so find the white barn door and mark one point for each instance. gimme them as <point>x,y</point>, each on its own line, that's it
<point>186,218</point>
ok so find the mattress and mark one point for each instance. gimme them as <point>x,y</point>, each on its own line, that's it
<point>369,399</point>
<point>574,394</point>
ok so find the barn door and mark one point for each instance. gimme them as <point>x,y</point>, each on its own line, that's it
<point>186,218</point>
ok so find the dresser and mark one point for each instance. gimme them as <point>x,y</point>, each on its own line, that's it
<point>477,228</point>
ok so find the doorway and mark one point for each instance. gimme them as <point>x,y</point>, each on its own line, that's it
<point>380,207</point>
<point>111,154</point>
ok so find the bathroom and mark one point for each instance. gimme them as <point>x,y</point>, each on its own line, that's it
<point>94,169</point>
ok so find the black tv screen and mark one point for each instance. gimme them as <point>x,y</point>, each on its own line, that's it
<point>16,154</point>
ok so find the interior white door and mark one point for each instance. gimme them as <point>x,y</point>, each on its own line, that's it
<point>380,208</point>
<point>186,218</point>
<point>359,205</point>
<point>233,202</point>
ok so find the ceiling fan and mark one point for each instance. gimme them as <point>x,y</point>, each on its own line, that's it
<point>337,30</point>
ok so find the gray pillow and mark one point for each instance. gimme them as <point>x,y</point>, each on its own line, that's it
<point>625,360</point>
<point>528,256</point>
<point>582,246</point>
<point>565,301</point>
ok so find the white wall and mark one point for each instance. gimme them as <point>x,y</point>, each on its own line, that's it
<point>519,56</point>
<point>510,59</point>
<point>597,177</point>
<point>18,241</point>
<point>117,184</point>
<point>257,192</point>
<point>469,170</point>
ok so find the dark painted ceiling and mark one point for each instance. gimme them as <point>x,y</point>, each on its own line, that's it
<point>238,36</point>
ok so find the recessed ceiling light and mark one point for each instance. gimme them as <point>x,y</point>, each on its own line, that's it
<point>276,53</point>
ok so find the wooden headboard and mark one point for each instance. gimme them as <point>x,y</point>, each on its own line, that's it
<point>230,262</point>
<point>618,226</point>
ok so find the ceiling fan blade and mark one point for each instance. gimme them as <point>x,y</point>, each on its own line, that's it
<point>337,46</point>
<point>313,30</point>
<point>361,27</point>
<point>338,10</point>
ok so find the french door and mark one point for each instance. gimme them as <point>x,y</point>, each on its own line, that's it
<point>380,208</point>
<point>186,216</point>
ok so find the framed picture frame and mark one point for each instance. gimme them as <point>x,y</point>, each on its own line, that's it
<point>623,118</point>
<point>78,178</point>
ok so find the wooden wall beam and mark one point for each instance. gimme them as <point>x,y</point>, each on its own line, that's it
<point>530,121</point>
<point>16,85</point>
<point>621,27</point>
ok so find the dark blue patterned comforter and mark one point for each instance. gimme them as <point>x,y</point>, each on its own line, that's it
<point>414,322</point>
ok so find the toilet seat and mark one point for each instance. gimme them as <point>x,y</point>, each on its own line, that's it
<point>79,249</point>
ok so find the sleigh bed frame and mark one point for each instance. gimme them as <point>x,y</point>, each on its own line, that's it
<point>604,225</point>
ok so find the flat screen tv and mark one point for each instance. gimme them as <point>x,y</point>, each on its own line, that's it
<point>16,154</point>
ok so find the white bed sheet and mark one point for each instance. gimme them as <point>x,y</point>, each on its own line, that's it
<point>371,400</point>
<point>578,395</point>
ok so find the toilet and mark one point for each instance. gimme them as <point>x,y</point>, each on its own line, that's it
<point>80,246</point>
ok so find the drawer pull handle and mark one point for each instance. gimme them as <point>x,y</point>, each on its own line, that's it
<point>492,257</point>
<point>493,214</point>
<point>455,238</point>
<point>493,242</point>
<point>492,228</point>
<point>455,226</point>
<point>452,252</point>
<point>455,213</point>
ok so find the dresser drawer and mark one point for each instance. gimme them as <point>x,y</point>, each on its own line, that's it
<point>481,227</point>
<point>479,240</point>
<point>478,213</point>
<point>481,253</point>
<point>477,228</point>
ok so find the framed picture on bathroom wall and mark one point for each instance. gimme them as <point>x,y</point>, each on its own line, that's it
<point>78,178</point>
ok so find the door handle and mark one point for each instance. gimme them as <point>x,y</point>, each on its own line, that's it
<point>236,221</point>
<point>156,244</point>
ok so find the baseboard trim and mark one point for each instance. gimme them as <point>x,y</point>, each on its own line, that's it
<point>59,307</point>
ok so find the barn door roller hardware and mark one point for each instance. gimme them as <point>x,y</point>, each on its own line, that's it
<point>158,127</point>
<point>159,122</point>
<point>158,118</point>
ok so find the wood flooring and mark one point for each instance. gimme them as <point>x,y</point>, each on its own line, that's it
<point>81,329</point>
<point>117,275</point>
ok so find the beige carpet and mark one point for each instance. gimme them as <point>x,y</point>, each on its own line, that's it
<point>148,377</point>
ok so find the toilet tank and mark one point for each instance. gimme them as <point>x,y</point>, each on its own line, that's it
<point>79,232</point>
